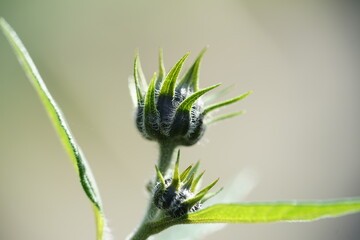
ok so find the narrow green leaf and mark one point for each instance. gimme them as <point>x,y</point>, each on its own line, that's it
<point>160,177</point>
<point>169,83</point>
<point>222,104</point>
<point>191,78</point>
<point>188,102</point>
<point>274,211</point>
<point>162,72</point>
<point>223,117</point>
<point>185,173</point>
<point>78,159</point>
<point>176,178</point>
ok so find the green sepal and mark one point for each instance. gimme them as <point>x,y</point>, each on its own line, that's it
<point>191,78</point>
<point>188,182</point>
<point>196,181</point>
<point>140,74</point>
<point>139,91</point>
<point>222,104</point>
<point>185,106</point>
<point>162,72</point>
<point>223,117</point>
<point>150,110</point>
<point>206,189</point>
<point>176,177</point>
<point>168,86</point>
<point>194,169</point>
<point>210,195</point>
<point>209,99</point>
<point>192,201</point>
<point>133,91</point>
<point>160,178</point>
<point>185,173</point>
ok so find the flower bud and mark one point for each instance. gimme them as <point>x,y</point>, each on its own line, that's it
<point>176,196</point>
<point>173,112</point>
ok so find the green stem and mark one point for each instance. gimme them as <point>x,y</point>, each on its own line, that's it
<point>167,150</point>
<point>147,228</point>
<point>142,233</point>
<point>154,227</point>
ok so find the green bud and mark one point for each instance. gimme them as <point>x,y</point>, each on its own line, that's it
<point>176,195</point>
<point>168,111</point>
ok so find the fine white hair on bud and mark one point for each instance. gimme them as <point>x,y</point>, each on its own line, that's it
<point>177,195</point>
<point>171,111</point>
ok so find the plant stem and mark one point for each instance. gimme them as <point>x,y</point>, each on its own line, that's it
<point>145,230</point>
<point>141,233</point>
<point>167,150</point>
<point>153,227</point>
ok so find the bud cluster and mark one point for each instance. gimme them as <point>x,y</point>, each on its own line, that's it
<point>171,112</point>
<point>176,196</point>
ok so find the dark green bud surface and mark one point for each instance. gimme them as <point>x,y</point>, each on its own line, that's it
<point>176,196</point>
<point>168,111</point>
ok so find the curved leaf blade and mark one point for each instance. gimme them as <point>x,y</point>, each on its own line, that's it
<point>78,159</point>
<point>274,211</point>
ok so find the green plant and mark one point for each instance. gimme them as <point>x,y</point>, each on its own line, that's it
<point>173,115</point>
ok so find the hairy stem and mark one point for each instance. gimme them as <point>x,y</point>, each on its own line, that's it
<point>146,228</point>
<point>142,233</point>
<point>167,150</point>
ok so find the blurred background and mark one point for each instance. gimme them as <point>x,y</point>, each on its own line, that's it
<point>300,135</point>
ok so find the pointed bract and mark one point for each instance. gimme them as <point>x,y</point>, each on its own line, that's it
<point>196,182</point>
<point>209,99</point>
<point>222,104</point>
<point>206,189</point>
<point>223,117</point>
<point>150,106</point>
<point>188,102</point>
<point>210,195</point>
<point>160,178</point>
<point>133,91</point>
<point>191,78</point>
<point>176,177</point>
<point>139,92</point>
<point>150,112</point>
<point>168,86</point>
<point>195,168</point>
<point>188,182</point>
<point>192,201</point>
<point>162,72</point>
<point>140,74</point>
<point>185,173</point>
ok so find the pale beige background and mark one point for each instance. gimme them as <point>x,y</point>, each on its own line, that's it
<point>301,133</point>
